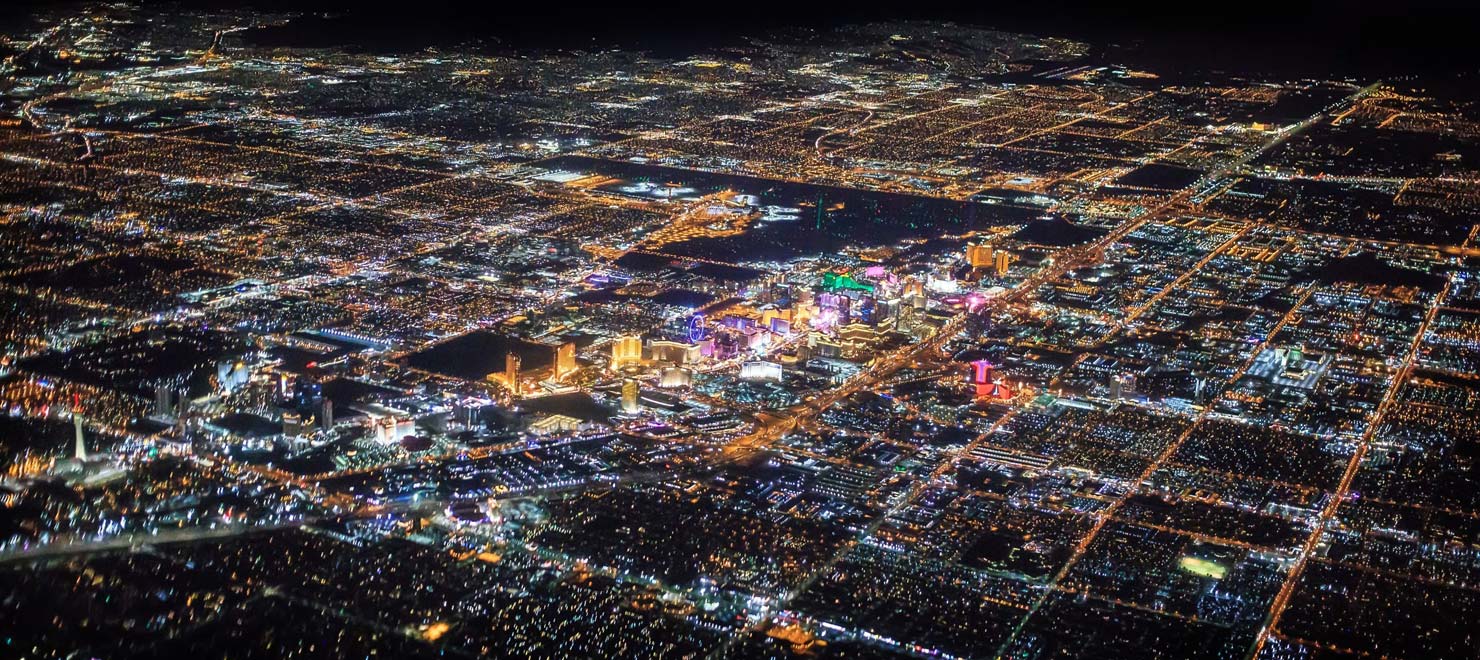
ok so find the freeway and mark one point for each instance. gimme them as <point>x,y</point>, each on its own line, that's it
<point>134,542</point>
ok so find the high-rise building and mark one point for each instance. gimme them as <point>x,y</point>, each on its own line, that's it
<point>626,350</point>
<point>511,373</point>
<point>760,370</point>
<point>79,444</point>
<point>1001,261</point>
<point>675,377</point>
<point>630,393</point>
<point>858,338</point>
<point>163,403</point>
<point>676,352</point>
<point>981,372</point>
<point>326,414</point>
<point>979,256</point>
<point>914,287</point>
<point>565,360</point>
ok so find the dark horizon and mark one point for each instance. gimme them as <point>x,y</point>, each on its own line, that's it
<point>1359,39</point>
<point>1306,38</point>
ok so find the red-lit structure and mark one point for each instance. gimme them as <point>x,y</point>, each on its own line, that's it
<point>986,384</point>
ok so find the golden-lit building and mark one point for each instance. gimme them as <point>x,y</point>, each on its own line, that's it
<point>1001,261</point>
<point>672,377</point>
<point>630,392</point>
<point>565,360</point>
<point>979,256</point>
<point>857,339</point>
<point>986,257</point>
<point>626,350</point>
<point>913,287</point>
<point>511,373</point>
<point>675,352</point>
<point>770,316</point>
<point>555,423</point>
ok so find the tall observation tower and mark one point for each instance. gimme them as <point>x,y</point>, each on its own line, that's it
<point>79,446</point>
